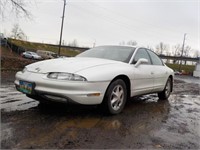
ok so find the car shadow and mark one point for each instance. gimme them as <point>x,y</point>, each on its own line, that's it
<point>136,105</point>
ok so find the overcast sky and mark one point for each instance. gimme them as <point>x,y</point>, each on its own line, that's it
<point>109,22</point>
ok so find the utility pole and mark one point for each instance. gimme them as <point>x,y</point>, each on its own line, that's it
<point>63,16</point>
<point>182,52</point>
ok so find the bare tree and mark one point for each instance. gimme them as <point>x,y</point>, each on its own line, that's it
<point>176,51</point>
<point>186,51</point>
<point>196,54</point>
<point>17,7</point>
<point>74,43</point>
<point>132,43</point>
<point>149,47</point>
<point>161,48</point>
<point>122,43</point>
<point>168,52</point>
<point>17,33</point>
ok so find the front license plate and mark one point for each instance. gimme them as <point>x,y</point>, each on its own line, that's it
<point>26,87</point>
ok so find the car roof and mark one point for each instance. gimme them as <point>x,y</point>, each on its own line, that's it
<point>31,52</point>
<point>117,46</point>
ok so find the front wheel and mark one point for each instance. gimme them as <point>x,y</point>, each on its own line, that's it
<point>115,97</point>
<point>167,90</point>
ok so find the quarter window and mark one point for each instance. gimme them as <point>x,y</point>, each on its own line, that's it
<point>155,59</point>
<point>141,53</point>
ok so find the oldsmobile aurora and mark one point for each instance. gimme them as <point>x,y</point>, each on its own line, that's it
<point>106,75</point>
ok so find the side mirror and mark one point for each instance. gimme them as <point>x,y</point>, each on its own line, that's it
<point>141,61</point>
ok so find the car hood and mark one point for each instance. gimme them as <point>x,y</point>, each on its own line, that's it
<point>70,65</point>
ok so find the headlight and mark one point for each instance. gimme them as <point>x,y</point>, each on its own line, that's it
<point>65,76</point>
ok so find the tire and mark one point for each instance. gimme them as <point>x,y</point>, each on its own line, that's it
<point>115,97</point>
<point>167,90</point>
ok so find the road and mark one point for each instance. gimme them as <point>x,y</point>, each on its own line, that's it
<point>146,122</point>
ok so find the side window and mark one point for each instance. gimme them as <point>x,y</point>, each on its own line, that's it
<point>155,59</point>
<point>141,53</point>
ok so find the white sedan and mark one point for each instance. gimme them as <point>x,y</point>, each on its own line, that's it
<point>107,75</point>
<point>31,55</point>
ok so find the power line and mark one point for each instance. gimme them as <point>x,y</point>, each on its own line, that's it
<point>138,20</point>
<point>123,24</point>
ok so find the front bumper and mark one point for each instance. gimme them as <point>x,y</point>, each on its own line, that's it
<point>88,93</point>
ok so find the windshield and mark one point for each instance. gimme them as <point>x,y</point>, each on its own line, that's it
<point>118,53</point>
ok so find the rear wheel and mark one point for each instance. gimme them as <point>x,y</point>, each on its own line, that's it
<point>115,97</point>
<point>167,91</point>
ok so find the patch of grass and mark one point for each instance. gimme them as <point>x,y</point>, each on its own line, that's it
<point>186,68</point>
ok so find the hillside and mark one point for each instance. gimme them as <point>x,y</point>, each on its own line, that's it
<point>7,52</point>
<point>32,46</point>
<point>188,69</point>
<point>11,61</point>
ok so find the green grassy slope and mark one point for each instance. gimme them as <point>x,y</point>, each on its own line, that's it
<point>69,52</point>
<point>186,68</point>
<point>40,46</point>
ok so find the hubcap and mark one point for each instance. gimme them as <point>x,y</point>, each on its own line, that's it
<point>117,97</point>
<point>168,88</point>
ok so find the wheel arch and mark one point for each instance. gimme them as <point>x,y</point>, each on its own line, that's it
<point>105,105</point>
<point>126,81</point>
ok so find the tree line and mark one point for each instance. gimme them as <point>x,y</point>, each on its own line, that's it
<point>164,49</point>
<point>160,48</point>
<point>19,8</point>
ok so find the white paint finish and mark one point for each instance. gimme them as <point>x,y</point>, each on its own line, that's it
<point>143,79</point>
<point>99,74</point>
<point>161,75</point>
<point>70,65</point>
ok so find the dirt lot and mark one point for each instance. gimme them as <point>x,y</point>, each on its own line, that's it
<point>146,122</point>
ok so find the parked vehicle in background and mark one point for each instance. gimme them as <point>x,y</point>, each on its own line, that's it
<point>177,72</point>
<point>3,40</point>
<point>47,54</point>
<point>31,55</point>
<point>106,75</point>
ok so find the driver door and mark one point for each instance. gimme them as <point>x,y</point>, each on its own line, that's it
<point>143,75</point>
